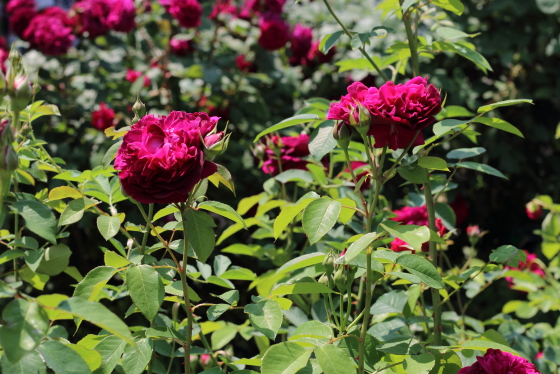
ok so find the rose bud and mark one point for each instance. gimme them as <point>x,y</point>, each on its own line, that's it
<point>342,134</point>
<point>341,278</point>
<point>215,145</point>
<point>328,263</point>
<point>139,110</point>
<point>20,93</point>
<point>474,234</point>
<point>533,210</point>
<point>365,120</point>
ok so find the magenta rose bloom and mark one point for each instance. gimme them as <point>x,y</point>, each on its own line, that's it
<point>50,32</point>
<point>187,12</point>
<point>495,361</point>
<point>180,47</point>
<point>161,159</point>
<point>90,17</point>
<point>103,118</point>
<point>121,16</point>
<point>275,31</point>
<point>292,151</point>
<point>20,13</point>
<point>397,111</point>
<point>301,41</point>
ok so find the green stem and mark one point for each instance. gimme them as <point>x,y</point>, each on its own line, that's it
<point>208,348</point>
<point>148,221</point>
<point>355,180</point>
<point>411,43</point>
<point>16,231</point>
<point>361,49</point>
<point>461,286</point>
<point>348,305</point>
<point>433,254</point>
<point>188,308</point>
<point>396,163</point>
<point>151,364</point>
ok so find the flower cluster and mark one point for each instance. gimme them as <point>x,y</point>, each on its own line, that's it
<point>97,17</point>
<point>284,153</point>
<point>496,361</point>
<point>187,12</point>
<point>530,265</point>
<point>161,159</point>
<point>417,215</point>
<point>397,113</point>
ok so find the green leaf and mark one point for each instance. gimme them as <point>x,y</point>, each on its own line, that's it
<point>301,262</point>
<point>38,218</point>
<point>446,214</point>
<point>483,345</point>
<point>446,363</point>
<point>94,281</point>
<point>419,364</point>
<point>111,154</point>
<point>294,175</point>
<point>329,41</point>
<point>313,332</point>
<point>24,325</point>
<point>146,289</point>
<point>239,274</point>
<point>334,360</point>
<point>230,297</point>
<point>357,247</point>
<point>266,317</point>
<point>319,218</point>
<point>461,50</point>
<point>222,176</point>
<point>200,231</point>
<point>55,260</point>
<point>285,358</point>
<point>31,363</point>
<point>135,359</point>
<point>108,226</point>
<point>10,255</point>
<point>359,39</point>
<point>223,210</point>
<point>247,203</point>
<point>499,124</point>
<point>499,104</point>
<point>451,33</point>
<point>91,357</point>
<point>414,235</point>
<point>401,345</point>
<point>430,162</point>
<point>444,126</point>
<point>74,211</point>
<point>301,286</point>
<point>170,209</point>
<point>288,122</point>
<point>114,260</point>
<point>451,111</point>
<point>391,302</point>
<point>455,6</point>
<point>481,167</point>
<point>111,348</point>
<point>62,359</point>
<point>64,192</point>
<point>415,174</point>
<point>321,140</point>
<point>97,314</point>
<point>33,258</point>
<point>176,288</point>
<point>461,153</point>
<point>508,255</point>
<point>215,311</point>
<point>422,268</point>
<point>223,336</point>
<point>407,4</point>
<point>288,213</point>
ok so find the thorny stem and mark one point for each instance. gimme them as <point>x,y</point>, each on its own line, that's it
<point>433,254</point>
<point>361,49</point>
<point>411,43</point>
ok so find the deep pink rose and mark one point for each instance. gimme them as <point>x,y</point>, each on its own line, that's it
<point>187,12</point>
<point>4,53</point>
<point>292,150</point>
<point>50,32</point>
<point>316,56</point>
<point>121,16</point>
<point>103,118</point>
<point>414,215</point>
<point>301,41</point>
<point>460,207</point>
<point>90,17</point>
<point>161,159</point>
<point>244,65</point>
<point>495,361</point>
<point>275,31</point>
<point>223,7</point>
<point>20,13</point>
<point>397,111</point>
<point>180,47</point>
<point>530,265</point>
<point>133,75</point>
<point>534,210</point>
<point>363,171</point>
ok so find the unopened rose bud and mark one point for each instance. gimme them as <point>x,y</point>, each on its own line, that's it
<point>139,110</point>
<point>474,234</point>
<point>259,150</point>
<point>533,210</point>
<point>328,263</point>
<point>342,134</point>
<point>215,145</point>
<point>341,278</point>
<point>364,117</point>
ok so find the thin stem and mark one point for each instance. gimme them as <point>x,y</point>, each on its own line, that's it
<point>396,163</point>
<point>355,180</point>
<point>433,254</point>
<point>188,342</point>
<point>361,49</point>
<point>461,286</point>
<point>387,367</point>
<point>411,43</point>
<point>16,233</point>
<point>148,221</point>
